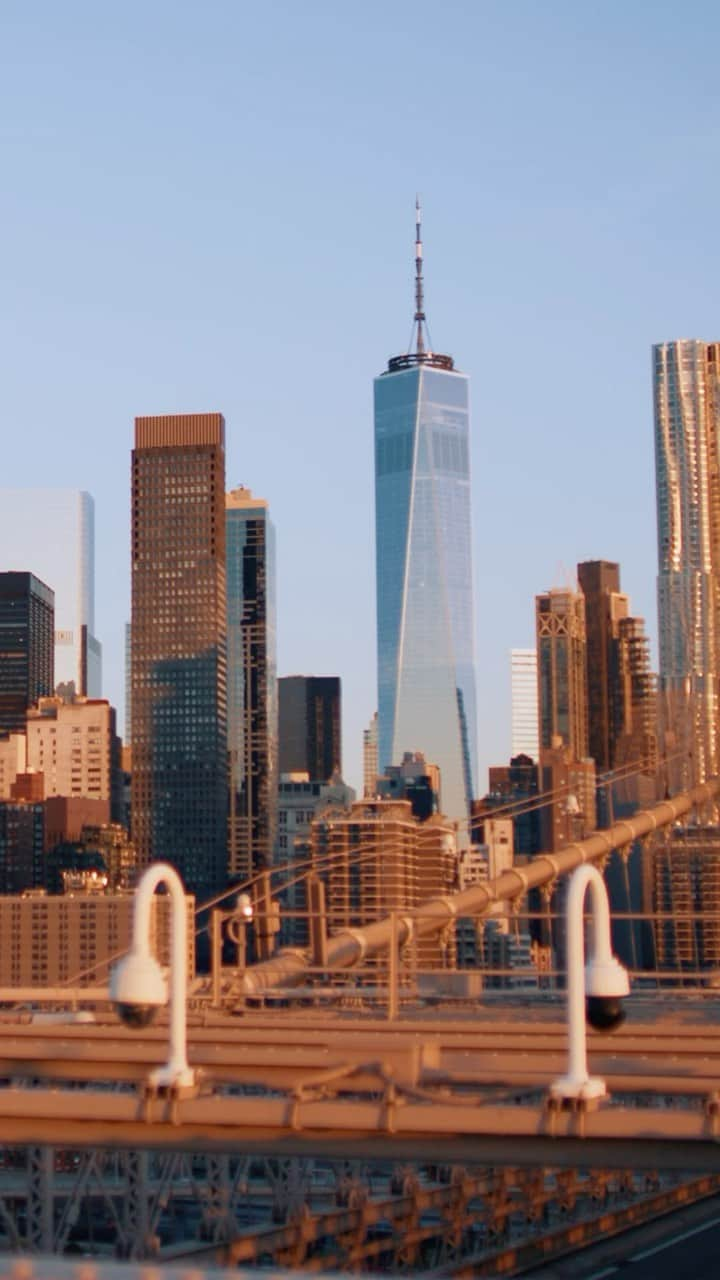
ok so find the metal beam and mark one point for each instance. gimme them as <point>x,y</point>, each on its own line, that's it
<point>394,1127</point>
<point>348,948</point>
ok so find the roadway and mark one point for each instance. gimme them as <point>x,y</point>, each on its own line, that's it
<point>683,1244</point>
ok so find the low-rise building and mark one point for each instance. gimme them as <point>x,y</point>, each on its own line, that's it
<point>49,940</point>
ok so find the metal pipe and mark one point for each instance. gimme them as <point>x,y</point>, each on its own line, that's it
<point>345,949</point>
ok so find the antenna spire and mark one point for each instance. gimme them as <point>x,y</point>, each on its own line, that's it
<point>423,352</point>
<point>419,299</point>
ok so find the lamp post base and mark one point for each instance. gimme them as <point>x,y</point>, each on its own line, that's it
<point>568,1087</point>
<point>172,1077</point>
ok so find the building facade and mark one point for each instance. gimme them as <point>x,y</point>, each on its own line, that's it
<point>605,604</point>
<point>252,700</point>
<point>370,757</point>
<point>562,678</point>
<point>46,940</point>
<point>52,533</point>
<point>377,859</point>
<point>27,613</point>
<point>687,418</point>
<point>524,707</point>
<point>635,740</point>
<point>22,829</point>
<point>310,726</point>
<point>73,743</point>
<point>425,620</point>
<point>179,640</point>
<point>685,885</point>
<point>299,803</point>
<point>414,779</point>
<point>622,702</point>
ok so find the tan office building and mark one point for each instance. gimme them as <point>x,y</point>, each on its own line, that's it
<point>63,938</point>
<point>71,744</point>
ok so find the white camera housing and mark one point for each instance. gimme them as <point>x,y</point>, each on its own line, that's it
<point>138,988</point>
<point>606,983</point>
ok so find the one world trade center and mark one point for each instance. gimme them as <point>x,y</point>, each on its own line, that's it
<point>425,622</point>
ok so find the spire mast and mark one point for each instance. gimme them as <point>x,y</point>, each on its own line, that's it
<point>419,299</point>
<point>423,353</point>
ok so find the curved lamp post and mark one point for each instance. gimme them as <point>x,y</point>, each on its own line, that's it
<point>137,984</point>
<point>603,980</point>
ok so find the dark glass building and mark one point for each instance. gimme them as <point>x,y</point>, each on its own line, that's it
<point>310,726</point>
<point>27,646</point>
<point>252,683</point>
<point>21,847</point>
<point>179,632</point>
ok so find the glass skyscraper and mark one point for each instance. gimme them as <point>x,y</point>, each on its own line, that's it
<point>252,698</point>
<point>425,625</point>
<point>27,610</point>
<point>179,647</point>
<point>687,471</point>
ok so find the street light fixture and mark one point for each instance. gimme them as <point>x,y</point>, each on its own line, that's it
<point>137,984</point>
<point>603,980</point>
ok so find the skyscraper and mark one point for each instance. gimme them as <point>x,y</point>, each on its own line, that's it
<point>179,637</point>
<point>562,681</point>
<point>51,532</point>
<point>252,683</point>
<point>687,472</point>
<point>620,685</point>
<point>604,605</point>
<point>26,651</point>
<point>523,678</point>
<point>310,737</point>
<point>370,758</point>
<point>425,626</point>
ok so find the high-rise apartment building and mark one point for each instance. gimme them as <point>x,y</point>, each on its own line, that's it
<point>524,706</point>
<point>252,699</point>
<point>52,533</point>
<point>379,858</point>
<point>622,704</point>
<point>562,680</point>
<point>684,875</point>
<point>604,605</point>
<point>635,709</point>
<point>425,625</point>
<point>179,638</point>
<point>27,612</point>
<point>687,419</point>
<point>310,726</point>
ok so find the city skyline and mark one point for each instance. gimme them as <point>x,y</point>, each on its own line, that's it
<point>166,287</point>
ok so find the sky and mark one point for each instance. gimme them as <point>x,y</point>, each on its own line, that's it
<point>211,207</point>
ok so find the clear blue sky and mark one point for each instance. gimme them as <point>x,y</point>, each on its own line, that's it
<point>209,206</point>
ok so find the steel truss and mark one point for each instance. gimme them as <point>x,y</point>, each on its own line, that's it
<point>308,1213</point>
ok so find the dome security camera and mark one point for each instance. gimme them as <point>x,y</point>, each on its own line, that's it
<point>137,989</point>
<point>606,983</point>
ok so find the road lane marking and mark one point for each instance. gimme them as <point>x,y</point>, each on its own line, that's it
<point>668,1244</point>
